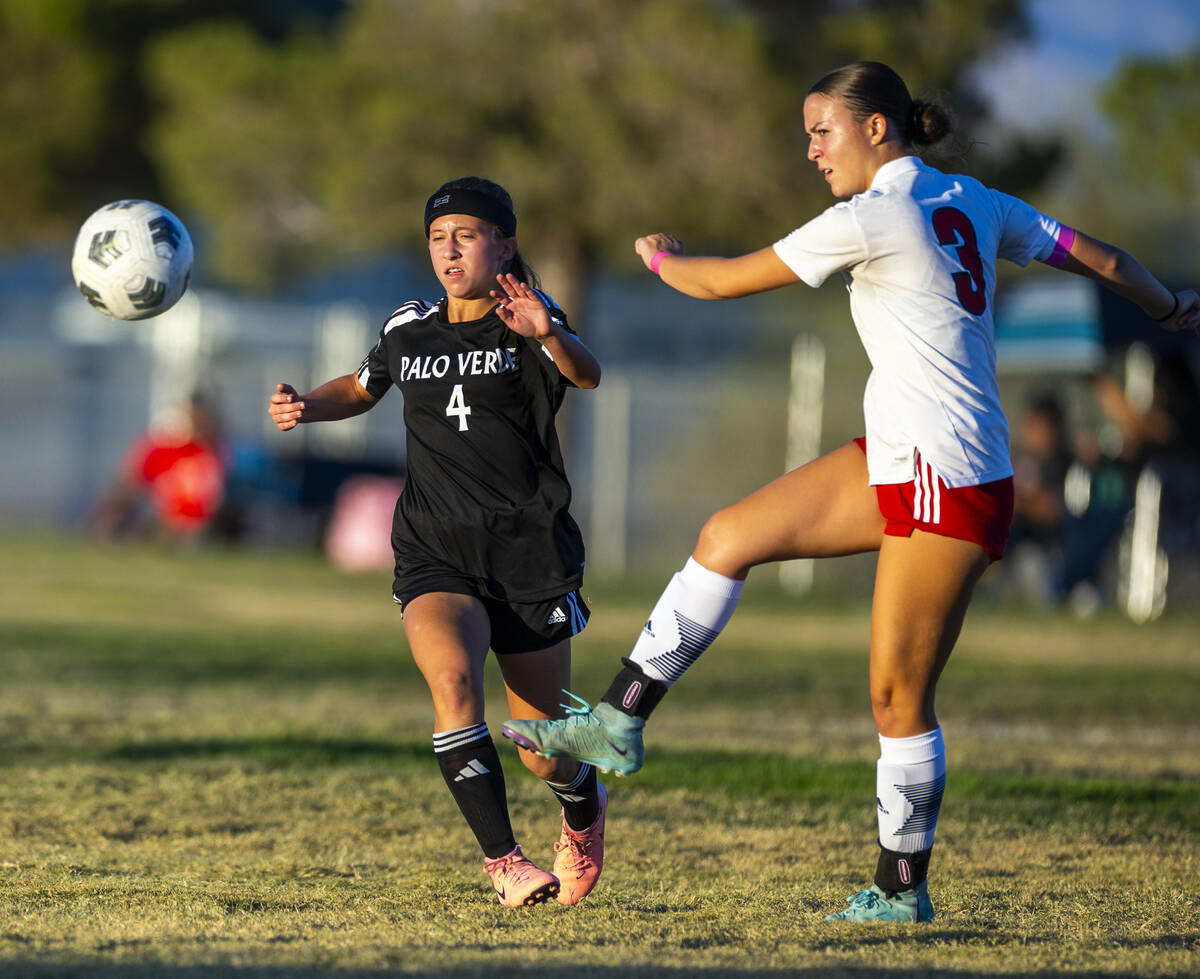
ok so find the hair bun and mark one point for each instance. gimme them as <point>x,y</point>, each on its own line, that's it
<point>928,123</point>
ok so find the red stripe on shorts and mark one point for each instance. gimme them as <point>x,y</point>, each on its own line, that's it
<point>981,514</point>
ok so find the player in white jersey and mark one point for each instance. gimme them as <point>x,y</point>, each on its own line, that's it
<point>929,488</point>
<point>487,554</point>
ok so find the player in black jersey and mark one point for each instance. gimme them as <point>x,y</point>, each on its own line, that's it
<point>487,554</point>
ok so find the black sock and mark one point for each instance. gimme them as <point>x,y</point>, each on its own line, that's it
<point>897,872</point>
<point>471,768</point>
<point>579,797</point>
<point>634,693</point>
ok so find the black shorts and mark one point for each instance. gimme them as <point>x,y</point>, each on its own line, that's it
<point>517,627</point>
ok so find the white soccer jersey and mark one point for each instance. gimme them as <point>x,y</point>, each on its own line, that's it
<point>918,253</point>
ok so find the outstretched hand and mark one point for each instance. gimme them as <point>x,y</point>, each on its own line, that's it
<point>521,309</point>
<point>650,245</point>
<point>285,407</point>
<point>1186,315</point>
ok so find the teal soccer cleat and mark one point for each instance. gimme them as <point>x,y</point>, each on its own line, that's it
<point>601,736</point>
<point>874,905</point>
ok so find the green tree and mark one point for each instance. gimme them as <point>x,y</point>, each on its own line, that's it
<point>605,118</point>
<point>1137,181</point>
<point>597,116</point>
<point>1154,105</point>
<point>75,106</point>
<point>51,111</point>
<point>245,141</point>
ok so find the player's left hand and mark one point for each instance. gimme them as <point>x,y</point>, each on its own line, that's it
<point>1186,315</point>
<point>521,309</point>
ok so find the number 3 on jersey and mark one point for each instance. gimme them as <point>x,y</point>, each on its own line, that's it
<point>952,227</point>
<point>457,407</point>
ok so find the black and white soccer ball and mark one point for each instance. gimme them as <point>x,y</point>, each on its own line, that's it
<point>132,259</point>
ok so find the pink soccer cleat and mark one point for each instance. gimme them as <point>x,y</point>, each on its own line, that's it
<point>580,856</point>
<point>518,881</point>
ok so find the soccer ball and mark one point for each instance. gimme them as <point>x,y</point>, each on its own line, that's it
<point>132,259</point>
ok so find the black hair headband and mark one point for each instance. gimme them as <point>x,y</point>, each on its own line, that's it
<point>463,201</point>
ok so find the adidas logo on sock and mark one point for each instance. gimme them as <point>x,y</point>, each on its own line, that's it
<point>471,769</point>
<point>557,616</point>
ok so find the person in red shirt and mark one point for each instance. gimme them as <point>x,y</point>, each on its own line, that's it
<point>172,481</point>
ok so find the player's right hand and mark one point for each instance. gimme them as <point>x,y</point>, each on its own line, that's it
<point>649,245</point>
<point>285,407</point>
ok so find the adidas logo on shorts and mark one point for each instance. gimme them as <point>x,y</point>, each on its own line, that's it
<point>557,617</point>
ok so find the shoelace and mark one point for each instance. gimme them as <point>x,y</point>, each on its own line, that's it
<point>578,713</point>
<point>866,899</point>
<point>515,867</point>
<point>578,847</point>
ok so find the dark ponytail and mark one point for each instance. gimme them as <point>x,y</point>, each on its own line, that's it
<point>867,87</point>
<point>488,188</point>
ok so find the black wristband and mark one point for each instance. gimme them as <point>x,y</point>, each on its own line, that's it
<point>1174,310</point>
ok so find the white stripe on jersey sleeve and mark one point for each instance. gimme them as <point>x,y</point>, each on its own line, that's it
<point>416,309</point>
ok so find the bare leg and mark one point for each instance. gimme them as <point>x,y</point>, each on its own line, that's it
<point>923,585</point>
<point>535,683</point>
<point>824,508</point>
<point>449,636</point>
<point>820,509</point>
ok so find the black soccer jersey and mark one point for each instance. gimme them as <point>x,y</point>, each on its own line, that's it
<point>486,495</point>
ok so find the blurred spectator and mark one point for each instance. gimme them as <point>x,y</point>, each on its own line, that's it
<point>1098,496</point>
<point>1040,464</point>
<point>1155,417</point>
<point>1163,422</point>
<point>172,481</point>
<point>1040,470</point>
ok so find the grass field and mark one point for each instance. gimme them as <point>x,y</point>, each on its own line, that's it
<point>218,764</point>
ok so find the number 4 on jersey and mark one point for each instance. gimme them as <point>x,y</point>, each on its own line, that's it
<point>457,407</point>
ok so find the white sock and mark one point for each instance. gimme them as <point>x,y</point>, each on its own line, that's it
<point>691,612</point>
<point>910,777</point>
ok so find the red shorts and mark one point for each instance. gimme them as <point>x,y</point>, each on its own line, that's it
<point>981,514</point>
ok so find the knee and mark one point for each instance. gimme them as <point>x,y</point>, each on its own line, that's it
<point>901,710</point>
<point>718,547</point>
<point>453,694</point>
<point>547,769</point>
<point>883,707</point>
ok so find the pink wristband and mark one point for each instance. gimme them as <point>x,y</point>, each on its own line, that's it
<point>656,261</point>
